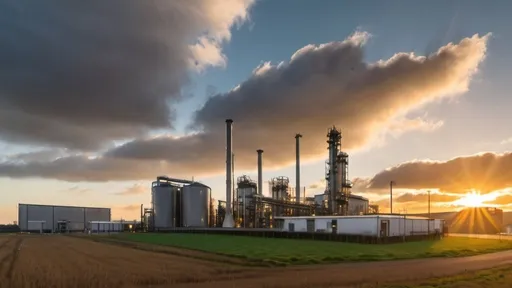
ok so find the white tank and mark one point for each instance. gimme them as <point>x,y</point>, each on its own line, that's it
<point>164,205</point>
<point>196,205</point>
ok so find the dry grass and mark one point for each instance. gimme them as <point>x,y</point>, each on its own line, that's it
<point>53,261</point>
<point>59,261</point>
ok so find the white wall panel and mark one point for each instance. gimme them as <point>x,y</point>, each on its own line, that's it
<point>365,225</point>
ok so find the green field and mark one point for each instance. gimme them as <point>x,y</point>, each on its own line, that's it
<point>491,278</point>
<point>288,251</point>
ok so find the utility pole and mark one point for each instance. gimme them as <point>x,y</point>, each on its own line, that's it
<point>391,183</point>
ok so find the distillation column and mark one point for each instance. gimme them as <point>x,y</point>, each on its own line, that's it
<point>334,141</point>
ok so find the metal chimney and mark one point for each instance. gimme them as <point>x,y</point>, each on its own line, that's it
<point>297,167</point>
<point>260,173</point>
<point>228,218</point>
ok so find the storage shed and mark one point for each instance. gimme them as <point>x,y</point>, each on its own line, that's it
<point>104,226</point>
<point>368,225</point>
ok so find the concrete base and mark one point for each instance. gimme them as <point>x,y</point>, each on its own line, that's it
<point>228,221</point>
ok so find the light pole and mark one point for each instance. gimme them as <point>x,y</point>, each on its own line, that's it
<point>391,183</point>
<point>428,212</point>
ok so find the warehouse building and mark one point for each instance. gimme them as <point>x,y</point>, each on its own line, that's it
<point>51,218</point>
<point>367,225</point>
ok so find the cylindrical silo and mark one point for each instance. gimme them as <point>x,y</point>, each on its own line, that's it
<point>164,205</point>
<point>196,205</point>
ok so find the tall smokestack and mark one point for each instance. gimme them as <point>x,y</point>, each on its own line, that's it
<point>297,167</point>
<point>260,175</point>
<point>228,218</point>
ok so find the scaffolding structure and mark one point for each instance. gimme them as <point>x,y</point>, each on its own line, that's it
<point>252,210</point>
<point>338,185</point>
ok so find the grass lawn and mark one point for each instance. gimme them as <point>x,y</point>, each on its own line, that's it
<point>492,278</point>
<point>289,251</point>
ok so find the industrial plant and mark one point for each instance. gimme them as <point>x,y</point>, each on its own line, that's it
<point>188,204</point>
<point>178,203</point>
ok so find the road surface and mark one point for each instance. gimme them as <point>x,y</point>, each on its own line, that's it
<point>354,274</point>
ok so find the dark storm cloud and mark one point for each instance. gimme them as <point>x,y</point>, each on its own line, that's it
<point>76,74</point>
<point>320,86</point>
<point>483,172</point>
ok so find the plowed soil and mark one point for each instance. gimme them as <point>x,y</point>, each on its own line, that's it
<point>62,261</point>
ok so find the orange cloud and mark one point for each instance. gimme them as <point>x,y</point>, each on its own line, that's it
<point>136,189</point>
<point>423,197</point>
<point>484,172</point>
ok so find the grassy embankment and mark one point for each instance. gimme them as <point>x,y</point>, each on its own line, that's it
<point>288,251</point>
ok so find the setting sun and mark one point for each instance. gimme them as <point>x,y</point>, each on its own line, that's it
<point>473,199</point>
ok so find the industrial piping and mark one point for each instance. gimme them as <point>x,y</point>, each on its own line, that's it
<point>297,168</point>
<point>260,173</point>
<point>167,179</point>
<point>228,217</point>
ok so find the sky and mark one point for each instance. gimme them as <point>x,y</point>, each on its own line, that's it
<point>98,100</point>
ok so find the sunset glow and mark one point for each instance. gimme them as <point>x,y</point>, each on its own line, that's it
<point>474,199</point>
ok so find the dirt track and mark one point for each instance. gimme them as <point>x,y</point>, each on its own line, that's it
<point>59,261</point>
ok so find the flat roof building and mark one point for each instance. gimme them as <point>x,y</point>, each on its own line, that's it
<point>56,218</point>
<point>367,225</point>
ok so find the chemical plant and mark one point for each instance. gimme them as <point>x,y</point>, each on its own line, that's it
<point>183,203</point>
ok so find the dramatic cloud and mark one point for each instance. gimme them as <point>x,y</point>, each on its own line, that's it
<point>401,126</point>
<point>76,74</point>
<point>129,207</point>
<point>504,199</point>
<point>506,141</point>
<point>318,185</point>
<point>136,189</point>
<point>36,156</point>
<point>77,190</point>
<point>482,172</point>
<point>320,86</point>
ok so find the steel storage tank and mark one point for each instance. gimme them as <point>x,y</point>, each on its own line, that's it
<point>196,205</point>
<point>163,197</point>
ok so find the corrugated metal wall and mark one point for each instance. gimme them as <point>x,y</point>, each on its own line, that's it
<point>97,214</point>
<point>22,217</point>
<point>40,213</point>
<point>77,216</point>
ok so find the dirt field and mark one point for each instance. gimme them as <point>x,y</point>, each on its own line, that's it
<point>62,261</point>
